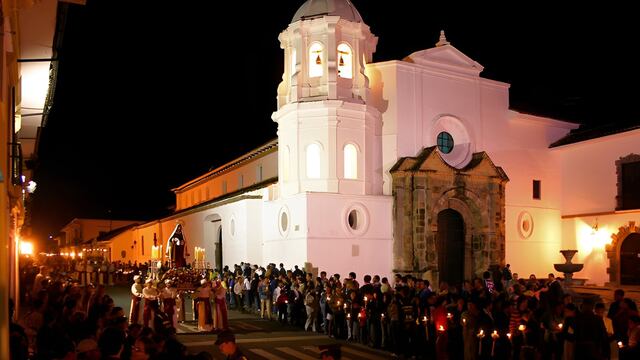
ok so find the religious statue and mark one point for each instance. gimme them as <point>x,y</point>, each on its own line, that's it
<point>176,246</point>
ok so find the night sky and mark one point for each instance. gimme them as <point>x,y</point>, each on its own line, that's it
<point>151,94</point>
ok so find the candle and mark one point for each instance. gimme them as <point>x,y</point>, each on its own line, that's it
<point>620,345</point>
<point>464,322</point>
<point>349,316</point>
<point>494,336</point>
<point>522,327</point>
<point>480,336</point>
<point>560,326</point>
<point>509,336</point>
<point>382,316</point>
<point>441,328</point>
<point>424,318</point>
<point>365,299</point>
<point>328,298</point>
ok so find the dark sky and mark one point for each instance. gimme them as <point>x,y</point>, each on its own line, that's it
<point>151,94</point>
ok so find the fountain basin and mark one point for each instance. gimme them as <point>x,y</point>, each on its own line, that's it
<point>568,255</point>
<point>568,268</point>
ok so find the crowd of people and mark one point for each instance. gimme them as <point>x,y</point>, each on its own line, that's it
<point>497,316</point>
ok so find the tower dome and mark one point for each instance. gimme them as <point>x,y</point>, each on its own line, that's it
<point>318,8</point>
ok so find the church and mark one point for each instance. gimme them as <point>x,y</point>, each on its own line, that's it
<point>415,166</point>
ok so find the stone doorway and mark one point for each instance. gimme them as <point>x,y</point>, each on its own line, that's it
<point>450,245</point>
<point>630,260</point>
<point>624,264</point>
<point>426,186</point>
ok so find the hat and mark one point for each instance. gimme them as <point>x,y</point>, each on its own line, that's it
<point>225,336</point>
<point>203,281</point>
<point>149,280</point>
<point>86,345</point>
<point>136,277</point>
<point>332,350</point>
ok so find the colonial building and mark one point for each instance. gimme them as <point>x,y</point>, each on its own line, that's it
<point>415,165</point>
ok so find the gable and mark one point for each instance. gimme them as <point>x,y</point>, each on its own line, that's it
<point>429,160</point>
<point>446,57</point>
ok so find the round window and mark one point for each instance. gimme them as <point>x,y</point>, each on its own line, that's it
<point>356,219</point>
<point>284,222</point>
<point>525,224</point>
<point>353,219</point>
<point>445,142</point>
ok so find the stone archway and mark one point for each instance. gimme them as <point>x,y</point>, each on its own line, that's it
<point>614,249</point>
<point>425,186</point>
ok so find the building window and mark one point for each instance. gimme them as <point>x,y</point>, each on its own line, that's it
<point>350,161</point>
<point>206,190</point>
<point>240,181</point>
<point>224,186</point>
<point>316,56</point>
<point>283,221</point>
<point>313,161</point>
<point>445,142</point>
<point>357,219</point>
<point>345,62</point>
<point>628,171</point>
<point>142,244</point>
<point>292,61</point>
<point>537,194</point>
<point>259,173</point>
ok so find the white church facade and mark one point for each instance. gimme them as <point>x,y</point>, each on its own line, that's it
<point>415,166</point>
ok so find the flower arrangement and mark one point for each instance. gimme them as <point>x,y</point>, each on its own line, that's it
<point>184,278</point>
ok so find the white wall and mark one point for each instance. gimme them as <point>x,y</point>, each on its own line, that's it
<point>334,247</point>
<point>588,172</point>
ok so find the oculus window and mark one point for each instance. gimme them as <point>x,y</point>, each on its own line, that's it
<point>445,142</point>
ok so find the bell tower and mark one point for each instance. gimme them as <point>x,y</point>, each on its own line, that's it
<point>329,138</point>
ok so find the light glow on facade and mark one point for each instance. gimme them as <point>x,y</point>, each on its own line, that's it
<point>26,248</point>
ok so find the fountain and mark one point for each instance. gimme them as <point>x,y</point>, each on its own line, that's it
<point>568,268</point>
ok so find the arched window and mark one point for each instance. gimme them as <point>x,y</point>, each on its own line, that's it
<point>350,162</point>
<point>285,163</point>
<point>345,61</point>
<point>292,61</point>
<point>316,57</point>
<point>313,161</point>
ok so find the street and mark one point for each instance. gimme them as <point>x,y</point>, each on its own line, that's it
<point>259,339</point>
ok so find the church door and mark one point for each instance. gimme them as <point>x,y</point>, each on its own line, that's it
<point>450,245</point>
<point>218,250</point>
<point>630,260</point>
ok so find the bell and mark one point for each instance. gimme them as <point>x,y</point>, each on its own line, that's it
<point>341,61</point>
<point>318,61</point>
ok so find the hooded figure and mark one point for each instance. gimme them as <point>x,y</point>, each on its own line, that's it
<point>176,246</point>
